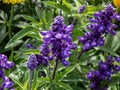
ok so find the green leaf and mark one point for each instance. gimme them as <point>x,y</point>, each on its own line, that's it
<point>77,31</point>
<point>18,36</point>
<point>35,35</point>
<point>17,82</point>
<point>115,80</point>
<point>75,78</point>
<point>56,5</point>
<point>108,50</point>
<point>64,85</point>
<point>28,51</point>
<point>26,83</point>
<point>92,9</point>
<point>65,72</point>
<point>68,5</point>
<point>38,12</point>
<point>115,45</point>
<point>50,3</point>
<point>29,18</point>
<point>34,83</point>
<point>3,34</point>
<point>77,3</point>
<point>43,83</point>
<point>3,16</point>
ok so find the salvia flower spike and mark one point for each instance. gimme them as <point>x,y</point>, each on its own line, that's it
<point>104,72</point>
<point>57,42</point>
<point>99,26</point>
<point>5,64</point>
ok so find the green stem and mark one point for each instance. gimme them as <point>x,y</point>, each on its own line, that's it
<point>30,84</point>
<point>60,9</point>
<point>54,11</point>
<point>10,22</point>
<point>55,68</point>
<point>80,55</point>
<point>10,30</point>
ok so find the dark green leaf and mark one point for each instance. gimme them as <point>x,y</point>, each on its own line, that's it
<point>18,36</point>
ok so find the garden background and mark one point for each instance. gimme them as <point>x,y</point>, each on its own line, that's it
<point>59,45</point>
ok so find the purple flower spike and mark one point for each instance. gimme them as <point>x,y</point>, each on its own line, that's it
<point>99,26</point>
<point>5,64</point>
<point>104,72</point>
<point>57,42</point>
<point>32,62</point>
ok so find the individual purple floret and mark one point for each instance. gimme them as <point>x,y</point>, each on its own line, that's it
<point>82,9</point>
<point>99,26</point>
<point>1,73</point>
<point>5,64</point>
<point>30,46</point>
<point>7,83</point>
<point>12,89</point>
<point>32,62</point>
<point>57,42</point>
<point>104,72</point>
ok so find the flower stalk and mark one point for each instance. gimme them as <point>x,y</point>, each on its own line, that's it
<point>80,55</point>
<point>30,84</point>
<point>54,72</point>
<point>10,22</point>
<point>60,9</point>
<point>10,29</point>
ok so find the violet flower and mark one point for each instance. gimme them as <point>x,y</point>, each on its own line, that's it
<point>99,26</point>
<point>82,9</point>
<point>5,64</point>
<point>57,42</point>
<point>32,62</point>
<point>104,72</point>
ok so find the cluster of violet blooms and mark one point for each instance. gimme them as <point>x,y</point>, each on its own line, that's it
<point>104,72</point>
<point>5,64</point>
<point>99,26</point>
<point>57,44</point>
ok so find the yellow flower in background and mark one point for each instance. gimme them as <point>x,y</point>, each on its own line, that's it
<point>13,1</point>
<point>117,3</point>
